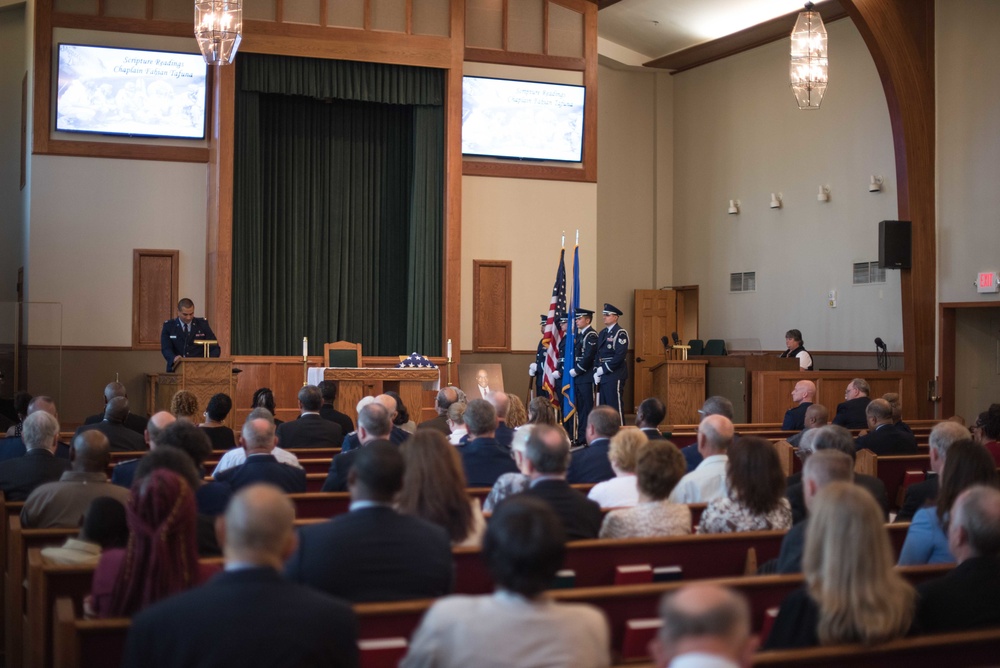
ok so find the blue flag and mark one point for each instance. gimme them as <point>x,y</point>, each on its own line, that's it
<point>569,359</point>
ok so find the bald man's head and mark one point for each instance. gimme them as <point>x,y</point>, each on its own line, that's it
<point>389,403</point>
<point>706,619</point>
<point>805,390</point>
<point>91,452</point>
<point>501,402</point>
<point>112,390</point>
<point>817,415</point>
<point>43,403</point>
<point>715,435</point>
<point>116,410</point>
<point>257,527</point>
<point>155,427</point>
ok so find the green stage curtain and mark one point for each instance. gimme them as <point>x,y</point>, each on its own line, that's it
<point>337,207</point>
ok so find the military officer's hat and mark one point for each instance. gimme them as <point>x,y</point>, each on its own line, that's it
<point>545,318</point>
<point>610,309</point>
<point>584,312</point>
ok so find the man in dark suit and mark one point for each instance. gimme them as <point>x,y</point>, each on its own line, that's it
<point>373,425</point>
<point>396,435</point>
<point>374,553</point>
<point>13,447</point>
<point>831,437</point>
<point>182,336</point>
<point>804,394</point>
<point>649,415</point>
<point>328,389</point>
<point>590,463</point>
<point>446,396</point>
<point>501,404</point>
<point>817,415</point>
<point>547,460</point>
<point>851,411</point>
<point>822,467</point>
<point>883,437</point>
<point>920,494</point>
<point>124,471</point>
<point>248,615</point>
<point>310,430</point>
<point>483,458</point>
<point>969,596</point>
<point>261,466</point>
<point>136,423</point>
<point>39,465</point>
<point>714,405</point>
<point>121,438</point>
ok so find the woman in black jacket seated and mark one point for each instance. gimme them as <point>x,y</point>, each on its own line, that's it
<point>851,593</point>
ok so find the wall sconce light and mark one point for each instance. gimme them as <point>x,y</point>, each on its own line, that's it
<point>876,185</point>
<point>824,194</point>
<point>734,207</point>
<point>775,201</point>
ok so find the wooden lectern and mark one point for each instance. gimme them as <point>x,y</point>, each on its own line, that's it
<point>353,384</point>
<point>680,384</point>
<point>203,377</point>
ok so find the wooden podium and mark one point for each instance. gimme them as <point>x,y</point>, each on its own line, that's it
<point>680,384</point>
<point>353,384</point>
<point>202,377</point>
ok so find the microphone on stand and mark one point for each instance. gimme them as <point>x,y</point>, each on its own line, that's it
<point>881,354</point>
<point>879,342</point>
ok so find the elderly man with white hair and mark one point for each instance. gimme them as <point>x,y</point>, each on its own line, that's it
<point>943,435</point>
<point>39,465</point>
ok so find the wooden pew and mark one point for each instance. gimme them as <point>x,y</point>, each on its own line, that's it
<point>87,643</point>
<point>891,470</point>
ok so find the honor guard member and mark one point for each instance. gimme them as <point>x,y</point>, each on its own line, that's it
<point>182,336</point>
<point>584,354</point>
<point>535,368</point>
<point>611,371</point>
<point>794,348</point>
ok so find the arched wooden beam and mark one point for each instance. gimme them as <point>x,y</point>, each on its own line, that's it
<point>900,37</point>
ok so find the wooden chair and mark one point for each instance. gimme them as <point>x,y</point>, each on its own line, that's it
<point>342,354</point>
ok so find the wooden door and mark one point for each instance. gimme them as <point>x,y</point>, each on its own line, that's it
<point>655,317</point>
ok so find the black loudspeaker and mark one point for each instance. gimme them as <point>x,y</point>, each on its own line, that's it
<point>894,244</point>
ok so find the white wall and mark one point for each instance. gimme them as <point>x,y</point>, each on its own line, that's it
<point>739,135</point>
<point>968,146</point>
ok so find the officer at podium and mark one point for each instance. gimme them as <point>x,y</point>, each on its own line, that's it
<point>611,371</point>
<point>182,336</point>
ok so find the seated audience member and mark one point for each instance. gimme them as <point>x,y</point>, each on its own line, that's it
<point>258,439</point>
<point>456,423</point>
<point>161,557</point>
<point>328,390</point>
<point>238,455</point>
<point>517,414</point>
<point>703,625</point>
<point>896,404</point>
<point>512,483</point>
<point>978,426</point>
<point>926,541</point>
<point>546,462</point>
<point>434,488</point>
<point>968,597</point>
<point>649,415</point>
<point>219,434</point>
<point>991,432</point>
<point>756,492</point>
<point>104,528</point>
<point>446,396</point>
<point>659,467</point>
<point>124,471</point>
<point>13,447</point>
<point>852,593</point>
<point>831,437</point>
<point>803,394</point>
<point>396,435</point>
<point>184,406</point>
<point>63,503</point>
<point>517,625</point>
<point>590,463</point>
<point>483,458</point>
<point>21,403</point>
<point>136,423</point>
<point>121,438</point>
<point>374,553</point>
<point>373,426</point>
<point>402,419</point>
<point>820,469</point>
<point>20,476</point>
<point>942,436</point>
<point>817,416</point>
<point>211,497</point>
<point>715,405</point>
<point>620,491</point>
<point>264,398</point>
<point>247,616</point>
<point>708,481</point>
<point>883,437</point>
<point>541,411</point>
<point>310,430</point>
<point>501,403</point>
<point>851,412</point>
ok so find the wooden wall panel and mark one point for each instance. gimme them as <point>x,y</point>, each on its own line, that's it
<point>154,294</point>
<point>491,297</point>
<point>772,390</point>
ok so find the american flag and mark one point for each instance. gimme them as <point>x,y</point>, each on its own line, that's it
<point>553,331</point>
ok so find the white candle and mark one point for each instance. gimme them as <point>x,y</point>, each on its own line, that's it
<point>305,346</point>
<point>449,348</point>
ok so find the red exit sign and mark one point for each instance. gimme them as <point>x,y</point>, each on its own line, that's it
<point>987,282</point>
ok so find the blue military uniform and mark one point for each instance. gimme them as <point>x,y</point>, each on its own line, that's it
<point>612,346</point>
<point>175,341</point>
<point>540,365</point>
<point>584,355</point>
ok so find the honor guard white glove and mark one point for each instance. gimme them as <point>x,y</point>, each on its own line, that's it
<point>556,373</point>
<point>532,368</point>
<point>572,372</point>
<point>598,374</point>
